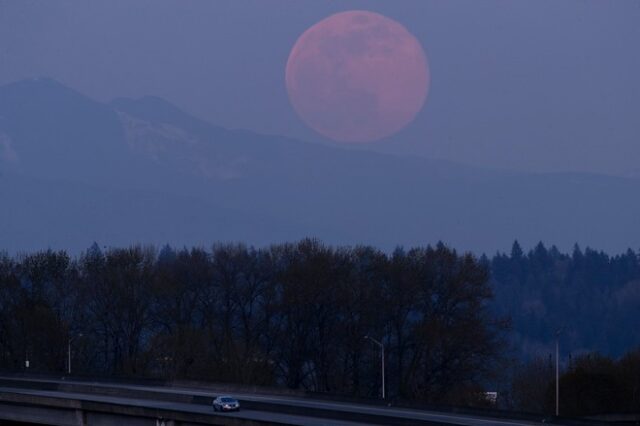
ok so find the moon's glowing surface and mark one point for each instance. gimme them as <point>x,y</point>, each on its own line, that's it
<point>357,76</point>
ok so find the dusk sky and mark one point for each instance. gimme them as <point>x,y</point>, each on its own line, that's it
<point>525,85</point>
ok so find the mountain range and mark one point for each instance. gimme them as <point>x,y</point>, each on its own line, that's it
<point>74,170</point>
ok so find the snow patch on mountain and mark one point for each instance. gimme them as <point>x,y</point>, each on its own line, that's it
<point>168,145</point>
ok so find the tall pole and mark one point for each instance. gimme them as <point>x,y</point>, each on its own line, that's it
<point>383,386</point>
<point>69,352</point>
<point>558,371</point>
<point>382,359</point>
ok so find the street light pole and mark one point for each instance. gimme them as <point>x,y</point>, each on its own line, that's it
<point>558,332</point>
<point>557,376</point>
<point>382,358</point>
<point>69,353</point>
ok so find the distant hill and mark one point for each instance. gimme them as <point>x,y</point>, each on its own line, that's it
<point>74,171</point>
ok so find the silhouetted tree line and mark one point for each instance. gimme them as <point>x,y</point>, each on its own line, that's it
<point>292,314</point>
<point>296,315</point>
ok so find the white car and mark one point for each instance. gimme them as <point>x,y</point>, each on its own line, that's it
<point>225,403</point>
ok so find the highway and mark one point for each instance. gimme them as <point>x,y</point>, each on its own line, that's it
<point>188,408</point>
<point>384,415</point>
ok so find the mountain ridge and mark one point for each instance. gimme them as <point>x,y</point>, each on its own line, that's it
<point>341,195</point>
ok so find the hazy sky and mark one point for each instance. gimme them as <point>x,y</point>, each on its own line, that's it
<point>531,85</point>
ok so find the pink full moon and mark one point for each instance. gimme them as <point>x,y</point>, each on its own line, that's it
<point>357,76</point>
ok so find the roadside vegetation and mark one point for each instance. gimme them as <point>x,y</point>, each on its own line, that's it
<point>296,315</point>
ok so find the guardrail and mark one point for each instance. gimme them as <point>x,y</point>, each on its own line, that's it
<point>58,383</point>
<point>280,408</point>
<point>61,411</point>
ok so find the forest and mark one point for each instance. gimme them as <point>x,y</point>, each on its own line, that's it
<point>297,315</point>
<point>592,296</point>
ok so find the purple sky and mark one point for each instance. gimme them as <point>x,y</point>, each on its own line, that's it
<point>539,85</point>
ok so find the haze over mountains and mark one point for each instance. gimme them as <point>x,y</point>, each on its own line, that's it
<point>74,171</point>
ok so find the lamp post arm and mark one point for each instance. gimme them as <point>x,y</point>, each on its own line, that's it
<point>377,342</point>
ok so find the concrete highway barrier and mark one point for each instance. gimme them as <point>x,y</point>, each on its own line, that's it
<point>277,405</point>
